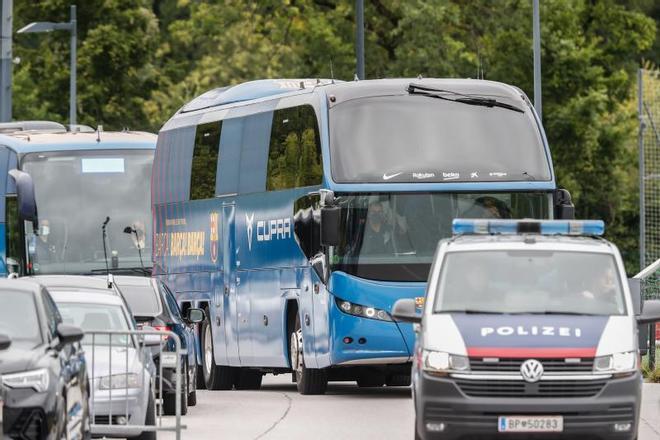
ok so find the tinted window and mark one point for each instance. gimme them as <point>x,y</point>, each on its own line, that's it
<point>97,317</point>
<point>143,300</point>
<point>18,317</point>
<point>15,246</point>
<point>294,158</point>
<point>52,314</point>
<point>421,139</point>
<point>171,303</point>
<point>530,282</point>
<point>205,161</point>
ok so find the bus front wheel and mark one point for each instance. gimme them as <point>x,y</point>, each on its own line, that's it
<point>216,377</point>
<point>308,380</point>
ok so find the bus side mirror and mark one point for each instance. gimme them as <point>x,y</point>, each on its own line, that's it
<point>27,204</point>
<point>330,225</point>
<point>564,208</point>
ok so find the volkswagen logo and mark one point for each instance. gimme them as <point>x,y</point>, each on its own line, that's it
<point>531,370</point>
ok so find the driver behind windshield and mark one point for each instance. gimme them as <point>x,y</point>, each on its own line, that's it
<point>45,248</point>
<point>377,239</point>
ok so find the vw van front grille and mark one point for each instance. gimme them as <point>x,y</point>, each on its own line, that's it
<point>508,365</point>
<point>519,388</point>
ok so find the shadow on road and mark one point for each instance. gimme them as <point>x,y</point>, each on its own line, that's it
<point>346,389</point>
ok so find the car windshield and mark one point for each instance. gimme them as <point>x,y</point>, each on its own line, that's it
<point>143,299</point>
<point>534,282</point>
<point>393,237</point>
<point>96,317</point>
<point>75,192</point>
<point>414,138</point>
<point>18,317</point>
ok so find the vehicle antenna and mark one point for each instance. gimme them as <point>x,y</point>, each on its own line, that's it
<point>332,72</point>
<point>99,129</point>
<point>105,250</point>
<point>133,230</point>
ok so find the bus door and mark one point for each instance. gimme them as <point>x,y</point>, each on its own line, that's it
<point>230,292</point>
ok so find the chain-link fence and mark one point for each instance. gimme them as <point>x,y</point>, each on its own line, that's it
<point>649,173</point>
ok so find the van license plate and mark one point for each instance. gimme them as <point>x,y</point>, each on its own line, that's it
<point>530,424</point>
<point>168,360</point>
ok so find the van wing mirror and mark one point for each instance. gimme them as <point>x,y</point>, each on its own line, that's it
<point>69,334</point>
<point>564,208</point>
<point>330,225</point>
<point>405,310</point>
<point>27,204</point>
<point>5,342</point>
<point>650,312</point>
<point>194,315</point>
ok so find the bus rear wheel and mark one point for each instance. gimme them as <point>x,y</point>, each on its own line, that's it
<point>216,377</point>
<point>308,380</point>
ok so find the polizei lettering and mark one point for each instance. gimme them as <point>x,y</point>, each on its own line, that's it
<point>275,229</point>
<point>532,330</point>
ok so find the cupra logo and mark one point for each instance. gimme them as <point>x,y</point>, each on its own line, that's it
<point>249,221</point>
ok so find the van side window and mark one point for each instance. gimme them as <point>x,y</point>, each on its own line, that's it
<point>205,161</point>
<point>294,158</point>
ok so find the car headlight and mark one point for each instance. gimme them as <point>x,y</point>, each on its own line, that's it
<point>119,381</point>
<point>36,379</point>
<point>440,363</point>
<point>362,311</point>
<point>616,363</point>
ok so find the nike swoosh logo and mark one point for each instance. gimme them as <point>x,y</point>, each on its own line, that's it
<point>391,176</point>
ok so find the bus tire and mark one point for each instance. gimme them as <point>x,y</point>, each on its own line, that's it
<point>308,380</point>
<point>216,377</point>
<point>248,379</point>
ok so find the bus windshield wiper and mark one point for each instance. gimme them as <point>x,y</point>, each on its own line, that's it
<point>555,312</point>
<point>415,89</point>
<point>471,312</point>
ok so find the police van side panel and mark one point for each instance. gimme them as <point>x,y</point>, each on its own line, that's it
<point>246,269</point>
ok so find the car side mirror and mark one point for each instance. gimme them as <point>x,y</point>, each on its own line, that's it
<point>69,334</point>
<point>5,342</point>
<point>330,225</point>
<point>194,315</point>
<point>27,204</point>
<point>405,310</point>
<point>650,312</point>
<point>564,208</point>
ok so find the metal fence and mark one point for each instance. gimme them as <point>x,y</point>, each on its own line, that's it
<point>126,396</point>
<point>648,108</point>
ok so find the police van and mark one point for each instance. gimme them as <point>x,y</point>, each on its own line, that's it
<point>527,327</point>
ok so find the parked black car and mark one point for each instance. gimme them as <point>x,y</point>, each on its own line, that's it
<point>44,374</point>
<point>153,305</point>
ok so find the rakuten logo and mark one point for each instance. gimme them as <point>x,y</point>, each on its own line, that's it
<point>533,330</point>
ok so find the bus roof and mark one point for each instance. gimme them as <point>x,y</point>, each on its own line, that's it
<point>23,142</point>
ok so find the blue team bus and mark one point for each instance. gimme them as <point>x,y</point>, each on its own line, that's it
<point>67,194</point>
<point>296,212</point>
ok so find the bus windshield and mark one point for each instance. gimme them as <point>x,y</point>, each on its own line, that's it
<point>76,191</point>
<point>393,237</point>
<point>414,138</point>
<point>541,282</point>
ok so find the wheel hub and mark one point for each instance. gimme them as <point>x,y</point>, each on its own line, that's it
<point>297,351</point>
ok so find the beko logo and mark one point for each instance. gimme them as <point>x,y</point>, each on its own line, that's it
<point>268,230</point>
<point>533,330</point>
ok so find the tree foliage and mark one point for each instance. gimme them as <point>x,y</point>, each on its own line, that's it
<point>139,61</point>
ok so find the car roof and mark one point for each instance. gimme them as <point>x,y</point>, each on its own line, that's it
<point>465,242</point>
<point>23,285</point>
<point>41,141</point>
<point>75,283</point>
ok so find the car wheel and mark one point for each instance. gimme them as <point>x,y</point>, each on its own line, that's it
<point>215,377</point>
<point>149,420</point>
<point>308,380</point>
<point>169,400</point>
<point>248,379</point>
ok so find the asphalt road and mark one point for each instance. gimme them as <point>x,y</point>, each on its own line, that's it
<point>277,411</point>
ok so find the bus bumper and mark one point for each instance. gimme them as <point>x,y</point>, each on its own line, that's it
<point>362,341</point>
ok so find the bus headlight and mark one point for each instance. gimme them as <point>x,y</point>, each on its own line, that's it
<point>35,379</point>
<point>617,363</point>
<point>362,311</point>
<point>440,363</point>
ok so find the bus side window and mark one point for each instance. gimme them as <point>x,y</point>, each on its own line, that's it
<point>294,158</point>
<point>205,161</point>
<point>15,245</point>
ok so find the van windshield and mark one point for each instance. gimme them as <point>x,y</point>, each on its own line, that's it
<point>530,282</point>
<point>414,138</point>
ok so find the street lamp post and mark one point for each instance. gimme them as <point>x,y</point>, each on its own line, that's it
<point>72,27</point>
<point>536,31</point>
